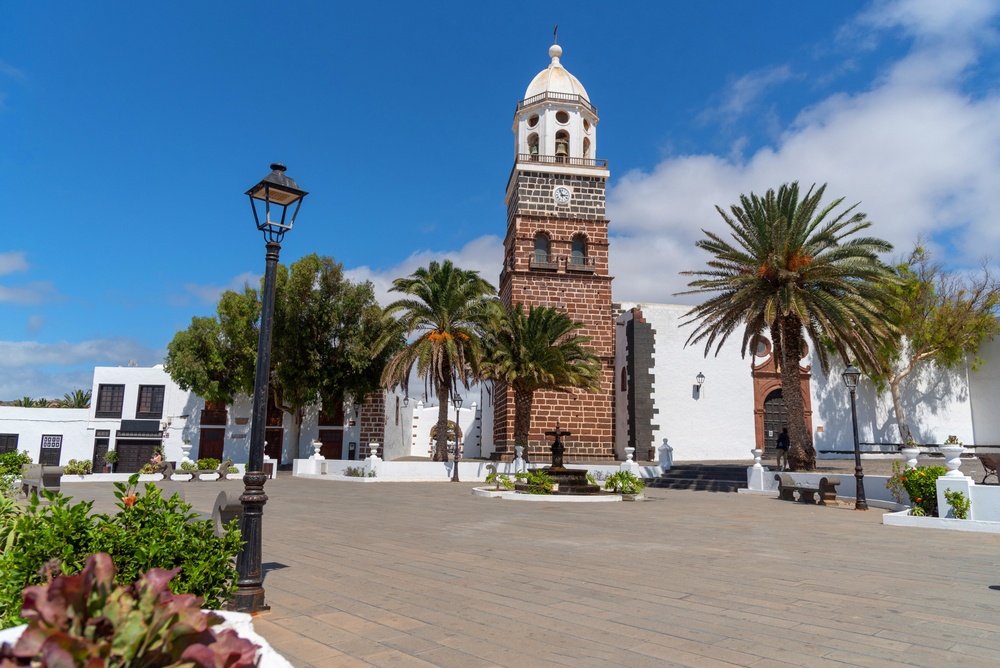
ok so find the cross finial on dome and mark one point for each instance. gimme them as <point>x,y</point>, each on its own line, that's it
<point>555,34</point>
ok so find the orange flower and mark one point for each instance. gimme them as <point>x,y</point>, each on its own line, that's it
<point>129,500</point>
<point>917,499</point>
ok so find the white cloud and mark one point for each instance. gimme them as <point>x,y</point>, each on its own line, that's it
<point>209,294</point>
<point>33,369</point>
<point>484,255</point>
<point>29,293</point>
<point>35,323</point>
<point>921,156</point>
<point>113,351</point>
<point>745,92</point>
<point>13,261</point>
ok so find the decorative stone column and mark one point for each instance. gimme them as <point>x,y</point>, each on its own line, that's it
<point>186,451</point>
<point>519,463</point>
<point>910,455</point>
<point>317,445</point>
<point>757,452</point>
<point>952,460</point>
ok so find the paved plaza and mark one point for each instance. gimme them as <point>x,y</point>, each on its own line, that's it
<point>424,574</point>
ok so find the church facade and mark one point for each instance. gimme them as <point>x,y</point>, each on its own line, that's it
<point>657,394</point>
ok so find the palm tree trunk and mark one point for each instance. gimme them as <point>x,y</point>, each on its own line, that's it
<point>801,454</point>
<point>522,418</point>
<point>441,435</point>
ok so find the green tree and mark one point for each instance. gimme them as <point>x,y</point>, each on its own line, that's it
<point>538,351</point>
<point>449,310</point>
<point>794,271</point>
<point>941,318</point>
<point>76,399</point>
<point>325,329</point>
<point>28,402</point>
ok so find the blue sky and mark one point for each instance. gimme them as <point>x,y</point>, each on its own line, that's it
<point>130,131</point>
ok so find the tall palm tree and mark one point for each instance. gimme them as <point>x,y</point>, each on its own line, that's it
<point>448,308</point>
<point>793,268</point>
<point>76,399</point>
<point>538,351</point>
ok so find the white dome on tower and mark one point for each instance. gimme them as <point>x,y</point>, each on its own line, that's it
<point>555,79</point>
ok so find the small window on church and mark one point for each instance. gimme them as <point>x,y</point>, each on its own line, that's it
<point>586,147</point>
<point>533,121</point>
<point>586,125</point>
<point>624,380</point>
<point>562,117</point>
<point>533,144</point>
<point>541,248</point>
<point>578,256</point>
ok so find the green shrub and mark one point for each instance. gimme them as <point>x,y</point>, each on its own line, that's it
<point>358,472</point>
<point>147,469</point>
<point>82,467</point>
<point>624,482</point>
<point>501,480</point>
<point>111,457</point>
<point>11,462</point>
<point>233,469</point>
<point>189,466</point>
<point>540,482</point>
<point>521,476</point>
<point>147,532</point>
<point>920,485</point>
<point>959,504</point>
<point>87,620</point>
<point>208,463</point>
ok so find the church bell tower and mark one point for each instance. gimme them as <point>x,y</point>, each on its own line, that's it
<point>556,254</point>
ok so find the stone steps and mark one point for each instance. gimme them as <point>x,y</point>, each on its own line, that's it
<point>702,477</point>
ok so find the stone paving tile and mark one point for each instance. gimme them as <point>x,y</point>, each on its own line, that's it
<point>414,574</point>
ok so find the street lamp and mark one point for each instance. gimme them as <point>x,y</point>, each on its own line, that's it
<point>699,381</point>
<point>458,430</point>
<point>851,376</point>
<point>270,200</point>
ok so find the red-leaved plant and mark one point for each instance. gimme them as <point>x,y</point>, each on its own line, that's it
<point>88,620</point>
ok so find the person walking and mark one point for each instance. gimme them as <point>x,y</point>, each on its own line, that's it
<point>781,454</point>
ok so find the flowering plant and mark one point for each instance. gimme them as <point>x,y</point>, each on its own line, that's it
<point>920,485</point>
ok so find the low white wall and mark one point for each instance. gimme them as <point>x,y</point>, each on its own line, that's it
<point>435,471</point>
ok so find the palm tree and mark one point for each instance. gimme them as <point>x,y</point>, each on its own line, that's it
<point>790,269</point>
<point>538,351</point>
<point>26,402</point>
<point>77,399</point>
<point>448,309</point>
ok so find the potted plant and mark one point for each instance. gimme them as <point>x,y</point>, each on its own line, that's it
<point>110,459</point>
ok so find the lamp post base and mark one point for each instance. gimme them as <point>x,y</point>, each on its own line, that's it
<point>860,502</point>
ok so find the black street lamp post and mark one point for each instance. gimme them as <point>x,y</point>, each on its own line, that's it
<point>458,430</point>
<point>277,192</point>
<point>851,376</point>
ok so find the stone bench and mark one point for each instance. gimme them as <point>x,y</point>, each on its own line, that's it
<point>36,478</point>
<point>990,464</point>
<point>787,486</point>
<point>227,508</point>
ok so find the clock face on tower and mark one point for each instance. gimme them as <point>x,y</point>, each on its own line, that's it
<point>561,195</point>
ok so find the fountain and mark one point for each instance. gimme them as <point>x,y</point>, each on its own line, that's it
<point>569,481</point>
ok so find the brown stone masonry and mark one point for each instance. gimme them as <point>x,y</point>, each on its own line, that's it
<point>372,422</point>
<point>581,290</point>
